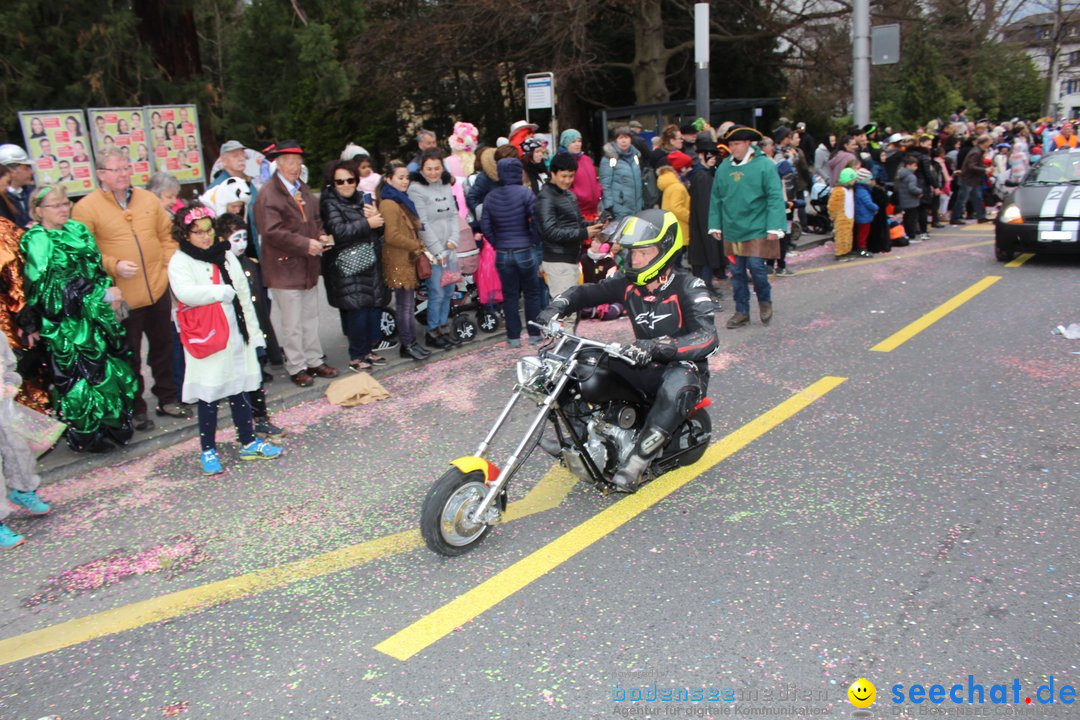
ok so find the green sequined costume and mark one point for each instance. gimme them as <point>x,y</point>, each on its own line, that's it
<point>93,385</point>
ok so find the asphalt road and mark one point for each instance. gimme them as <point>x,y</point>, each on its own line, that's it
<point>909,519</point>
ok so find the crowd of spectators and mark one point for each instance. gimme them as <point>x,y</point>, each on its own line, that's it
<point>84,283</point>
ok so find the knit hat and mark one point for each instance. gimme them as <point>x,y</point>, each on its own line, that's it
<point>568,136</point>
<point>847,176</point>
<point>863,175</point>
<point>679,160</point>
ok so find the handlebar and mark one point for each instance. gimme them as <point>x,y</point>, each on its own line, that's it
<point>627,353</point>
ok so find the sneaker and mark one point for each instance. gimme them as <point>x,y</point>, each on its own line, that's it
<point>9,538</point>
<point>866,254</point>
<point>924,236</point>
<point>514,342</point>
<point>268,430</point>
<point>29,501</point>
<point>534,339</point>
<point>784,272</point>
<point>915,240</point>
<point>211,463</point>
<point>259,450</point>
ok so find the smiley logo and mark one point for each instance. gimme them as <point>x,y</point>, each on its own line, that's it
<point>862,693</point>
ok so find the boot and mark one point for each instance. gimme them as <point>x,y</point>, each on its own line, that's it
<point>551,446</point>
<point>738,320</point>
<point>628,477</point>
<point>433,340</point>
<point>765,309</point>
<point>448,332</point>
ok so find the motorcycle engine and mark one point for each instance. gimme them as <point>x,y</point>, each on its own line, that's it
<point>611,436</point>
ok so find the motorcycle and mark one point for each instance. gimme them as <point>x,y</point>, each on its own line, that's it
<point>597,417</point>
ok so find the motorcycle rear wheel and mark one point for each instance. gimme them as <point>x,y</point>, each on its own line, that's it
<point>444,520</point>
<point>698,425</point>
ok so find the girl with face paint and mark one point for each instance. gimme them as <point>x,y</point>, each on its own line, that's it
<point>232,229</point>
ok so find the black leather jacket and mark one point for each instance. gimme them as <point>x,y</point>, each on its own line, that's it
<point>562,229</point>
<point>678,314</point>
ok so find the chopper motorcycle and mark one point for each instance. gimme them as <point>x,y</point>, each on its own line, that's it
<point>597,417</point>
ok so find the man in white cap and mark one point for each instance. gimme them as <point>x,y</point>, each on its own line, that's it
<point>22,181</point>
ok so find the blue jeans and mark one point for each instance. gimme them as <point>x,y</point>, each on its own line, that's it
<point>965,192</point>
<point>741,289</point>
<point>519,272</point>
<point>438,299</point>
<point>362,330</point>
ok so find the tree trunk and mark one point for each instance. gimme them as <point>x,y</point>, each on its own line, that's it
<point>650,54</point>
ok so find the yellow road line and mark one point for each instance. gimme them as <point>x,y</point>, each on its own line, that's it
<point>548,493</point>
<point>429,629</point>
<point>1020,260</point>
<point>902,336</point>
<point>891,257</point>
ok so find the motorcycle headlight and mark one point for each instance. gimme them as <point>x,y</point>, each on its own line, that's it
<point>1011,214</point>
<point>529,370</point>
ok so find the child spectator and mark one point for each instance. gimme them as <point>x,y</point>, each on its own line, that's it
<point>908,195</point>
<point>865,210</point>
<point>597,264</point>
<point>842,212</point>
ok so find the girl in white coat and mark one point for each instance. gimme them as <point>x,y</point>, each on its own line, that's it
<point>203,274</point>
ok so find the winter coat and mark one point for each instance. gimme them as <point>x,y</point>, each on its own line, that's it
<point>704,248</point>
<point>586,187</point>
<point>972,170</point>
<point>675,198</point>
<point>401,245</point>
<point>537,175</point>
<point>562,229</point>
<point>286,226</point>
<point>344,219</point>
<point>747,202</point>
<point>508,218</point>
<point>908,192</point>
<point>821,161</point>
<point>438,213</point>
<point>865,209</point>
<point>234,369</point>
<point>840,160</point>
<point>141,233</point>
<point>620,177</point>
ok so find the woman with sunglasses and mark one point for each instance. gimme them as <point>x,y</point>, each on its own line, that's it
<point>352,268</point>
<point>204,274</point>
<point>93,384</point>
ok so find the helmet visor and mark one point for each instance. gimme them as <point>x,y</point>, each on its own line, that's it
<point>637,231</point>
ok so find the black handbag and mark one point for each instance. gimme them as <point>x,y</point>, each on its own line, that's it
<point>359,258</point>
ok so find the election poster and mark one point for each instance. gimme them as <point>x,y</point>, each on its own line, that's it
<point>124,128</point>
<point>175,141</point>
<point>58,143</point>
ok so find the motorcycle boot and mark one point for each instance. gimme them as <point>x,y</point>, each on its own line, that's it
<point>551,446</point>
<point>651,441</point>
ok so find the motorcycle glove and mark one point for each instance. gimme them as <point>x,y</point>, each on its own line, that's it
<point>653,350</point>
<point>555,310</point>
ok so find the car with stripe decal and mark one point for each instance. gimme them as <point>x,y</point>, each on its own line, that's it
<point>1042,214</point>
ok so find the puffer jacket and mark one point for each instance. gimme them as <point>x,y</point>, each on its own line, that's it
<point>620,177</point>
<point>508,218</point>
<point>908,191</point>
<point>344,219</point>
<point>562,229</point>
<point>438,212</point>
<point>675,198</point>
<point>865,209</point>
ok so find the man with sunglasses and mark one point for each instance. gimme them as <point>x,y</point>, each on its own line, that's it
<point>134,234</point>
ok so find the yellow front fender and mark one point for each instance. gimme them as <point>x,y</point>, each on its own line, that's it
<point>472,463</point>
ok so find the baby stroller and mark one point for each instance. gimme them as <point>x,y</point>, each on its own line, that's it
<point>817,212</point>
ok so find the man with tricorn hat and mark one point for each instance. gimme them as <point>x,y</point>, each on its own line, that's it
<point>746,211</point>
<point>292,242</point>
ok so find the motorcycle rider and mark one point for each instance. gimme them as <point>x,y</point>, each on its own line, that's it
<point>672,315</point>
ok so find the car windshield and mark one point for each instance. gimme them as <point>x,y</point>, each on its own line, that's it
<point>1055,169</point>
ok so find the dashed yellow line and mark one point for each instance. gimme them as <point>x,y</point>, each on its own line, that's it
<point>429,629</point>
<point>547,494</point>
<point>1019,260</point>
<point>903,335</point>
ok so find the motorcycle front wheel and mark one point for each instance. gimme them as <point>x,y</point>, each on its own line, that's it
<point>444,520</point>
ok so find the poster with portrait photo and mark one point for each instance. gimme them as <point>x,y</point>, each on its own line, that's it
<point>125,128</point>
<point>175,142</point>
<point>57,142</point>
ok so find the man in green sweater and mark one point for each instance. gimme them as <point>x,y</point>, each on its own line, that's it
<point>746,212</point>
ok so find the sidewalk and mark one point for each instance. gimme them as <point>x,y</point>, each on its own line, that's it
<point>62,463</point>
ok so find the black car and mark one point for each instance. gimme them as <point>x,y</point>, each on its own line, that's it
<point>1042,215</point>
